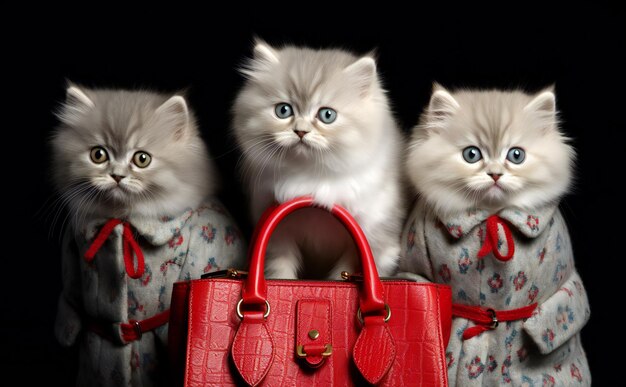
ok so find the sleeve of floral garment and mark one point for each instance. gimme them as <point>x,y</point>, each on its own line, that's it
<point>414,262</point>
<point>560,317</point>
<point>68,323</point>
<point>215,243</point>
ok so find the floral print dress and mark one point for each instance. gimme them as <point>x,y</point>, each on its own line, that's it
<point>198,241</point>
<point>531,261</point>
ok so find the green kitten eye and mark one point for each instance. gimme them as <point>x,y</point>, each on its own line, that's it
<point>516,155</point>
<point>472,154</point>
<point>327,115</point>
<point>283,110</point>
<point>142,159</point>
<point>98,155</point>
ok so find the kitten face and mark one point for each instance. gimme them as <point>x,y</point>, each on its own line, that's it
<point>305,108</point>
<point>489,149</point>
<point>122,153</point>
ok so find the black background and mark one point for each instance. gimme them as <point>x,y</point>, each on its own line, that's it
<point>576,48</point>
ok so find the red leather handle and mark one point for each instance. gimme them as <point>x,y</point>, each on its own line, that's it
<point>255,288</point>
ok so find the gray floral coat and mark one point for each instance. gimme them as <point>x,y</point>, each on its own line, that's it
<point>543,350</point>
<point>182,248</point>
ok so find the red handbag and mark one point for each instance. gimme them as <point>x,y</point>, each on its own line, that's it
<point>238,331</point>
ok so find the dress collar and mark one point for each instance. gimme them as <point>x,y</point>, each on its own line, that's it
<point>529,223</point>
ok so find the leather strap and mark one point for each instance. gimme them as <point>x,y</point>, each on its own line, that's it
<point>375,349</point>
<point>491,245</point>
<point>128,332</point>
<point>313,331</point>
<point>253,348</point>
<point>129,247</point>
<point>255,288</point>
<point>488,319</point>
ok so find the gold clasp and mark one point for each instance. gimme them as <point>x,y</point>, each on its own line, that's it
<point>351,277</point>
<point>360,316</point>
<point>227,273</point>
<point>267,309</point>
<point>327,351</point>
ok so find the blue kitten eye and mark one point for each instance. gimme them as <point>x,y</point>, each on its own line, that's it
<point>98,155</point>
<point>327,115</point>
<point>472,154</point>
<point>516,155</point>
<point>283,110</point>
<point>142,159</point>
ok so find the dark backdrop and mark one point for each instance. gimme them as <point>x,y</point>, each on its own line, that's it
<point>575,48</point>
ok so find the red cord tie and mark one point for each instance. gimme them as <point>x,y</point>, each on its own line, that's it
<point>488,319</point>
<point>491,243</point>
<point>130,247</point>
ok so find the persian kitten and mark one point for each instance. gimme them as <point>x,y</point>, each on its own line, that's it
<point>489,150</point>
<point>317,122</point>
<point>145,155</point>
<point>490,168</point>
<point>136,176</point>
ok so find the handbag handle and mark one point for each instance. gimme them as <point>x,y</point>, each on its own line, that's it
<point>254,293</point>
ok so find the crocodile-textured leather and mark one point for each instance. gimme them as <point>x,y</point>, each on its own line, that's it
<point>375,350</point>
<point>253,348</point>
<point>314,314</point>
<point>415,325</point>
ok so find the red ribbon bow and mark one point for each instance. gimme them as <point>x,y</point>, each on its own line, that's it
<point>491,239</point>
<point>129,247</point>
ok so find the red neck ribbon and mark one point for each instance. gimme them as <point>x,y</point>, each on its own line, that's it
<point>491,239</point>
<point>130,247</point>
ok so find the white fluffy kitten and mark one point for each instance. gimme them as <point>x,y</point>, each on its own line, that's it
<point>128,153</point>
<point>317,122</point>
<point>489,150</point>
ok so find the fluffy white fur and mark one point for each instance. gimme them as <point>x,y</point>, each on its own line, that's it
<point>494,121</point>
<point>354,161</point>
<point>123,123</point>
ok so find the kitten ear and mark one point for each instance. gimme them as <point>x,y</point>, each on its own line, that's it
<point>264,53</point>
<point>442,104</point>
<point>77,99</point>
<point>76,104</point>
<point>544,102</point>
<point>174,112</point>
<point>363,71</point>
<point>438,86</point>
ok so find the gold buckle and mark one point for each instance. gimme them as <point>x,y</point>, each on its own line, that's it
<point>327,351</point>
<point>267,309</point>
<point>360,316</point>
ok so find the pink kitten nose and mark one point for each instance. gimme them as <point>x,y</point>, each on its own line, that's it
<point>300,133</point>
<point>117,178</point>
<point>495,176</point>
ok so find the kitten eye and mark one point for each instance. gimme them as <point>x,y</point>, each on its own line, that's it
<point>283,110</point>
<point>142,159</point>
<point>472,154</point>
<point>516,155</point>
<point>98,155</point>
<point>327,115</point>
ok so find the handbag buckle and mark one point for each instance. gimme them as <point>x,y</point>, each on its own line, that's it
<point>328,350</point>
<point>359,315</point>
<point>267,309</point>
